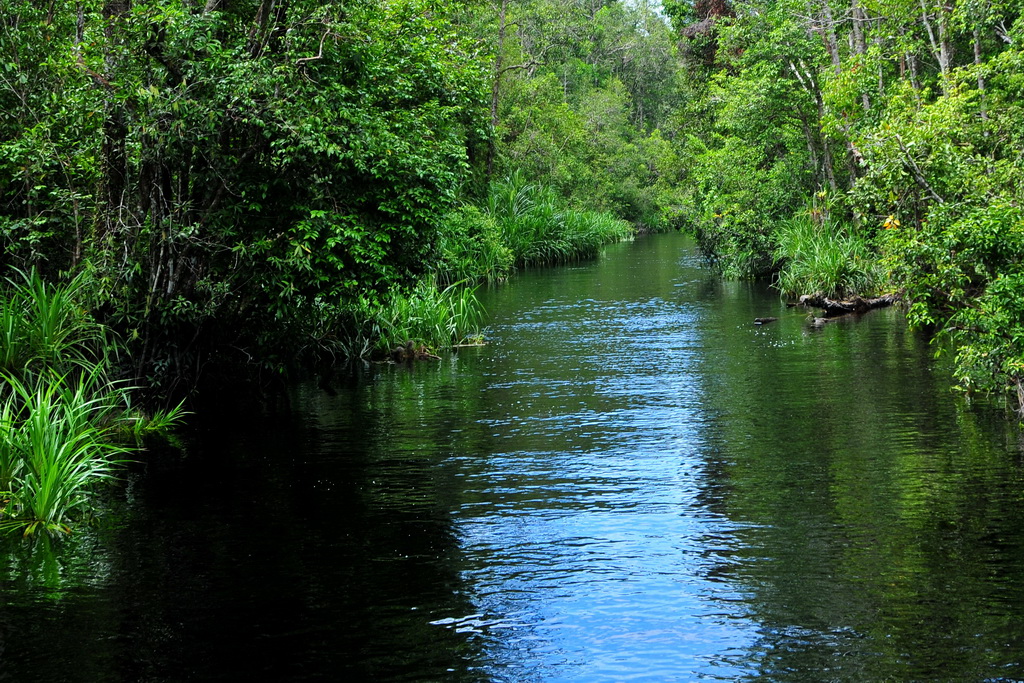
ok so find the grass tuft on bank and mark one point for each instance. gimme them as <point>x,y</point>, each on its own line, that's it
<point>824,257</point>
<point>66,424</point>
<point>521,224</point>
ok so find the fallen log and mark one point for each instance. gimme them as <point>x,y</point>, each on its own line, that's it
<point>857,304</point>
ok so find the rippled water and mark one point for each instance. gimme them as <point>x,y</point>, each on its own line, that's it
<point>630,481</point>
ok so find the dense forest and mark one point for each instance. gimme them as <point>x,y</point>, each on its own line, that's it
<point>251,185</point>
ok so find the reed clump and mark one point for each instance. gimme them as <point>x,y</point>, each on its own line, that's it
<point>433,316</point>
<point>521,224</point>
<point>539,229</point>
<point>66,423</point>
<point>821,257</point>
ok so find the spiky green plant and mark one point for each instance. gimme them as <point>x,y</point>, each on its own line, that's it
<point>435,317</point>
<point>823,257</point>
<point>14,344</point>
<point>63,441</point>
<point>43,325</point>
<point>64,422</point>
<point>11,461</point>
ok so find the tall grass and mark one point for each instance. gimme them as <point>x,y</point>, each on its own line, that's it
<point>826,258</point>
<point>43,326</point>
<point>539,229</point>
<point>11,461</point>
<point>438,318</point>
<point>65,449</point>
<point>64,423</point>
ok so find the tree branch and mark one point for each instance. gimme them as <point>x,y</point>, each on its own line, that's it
<point>915,171</point>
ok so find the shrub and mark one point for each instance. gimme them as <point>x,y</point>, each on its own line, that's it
<point>64,423</point>
<point>822,257</point>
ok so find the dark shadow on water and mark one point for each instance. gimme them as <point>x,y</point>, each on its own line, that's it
<point>292,544</point>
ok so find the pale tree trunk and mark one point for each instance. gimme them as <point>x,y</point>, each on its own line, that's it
<point>827,30</point>
<point>858,18</point>
<point>828,34</point>
<point>496,88</point>
<point>908,69</point>
<point>945,39</point>
<point>807,82</point>
<point>981,78</point>
<point>942,49</point>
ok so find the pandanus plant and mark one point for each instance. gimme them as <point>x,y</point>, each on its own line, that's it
<point>65,425</point>
<point>60,446</point>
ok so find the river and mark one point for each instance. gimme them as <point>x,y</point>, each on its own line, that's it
<point>629,481</point>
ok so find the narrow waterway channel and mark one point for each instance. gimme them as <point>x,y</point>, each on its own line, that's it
<point>630,481</point>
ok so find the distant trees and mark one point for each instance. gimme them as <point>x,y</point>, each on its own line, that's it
<point>896,121</point>
<point>580,93</point>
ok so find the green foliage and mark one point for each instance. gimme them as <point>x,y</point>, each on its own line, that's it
<point>948,172</point>
<point>906,116</point>
<point>64,423</point>
<point>523,224</point>
<point>582,94</point>
<point>962,270</point>
<point>63,446</point>
<point>232,176</point>
<point>819,257</point>
<point>253,187</point>
<point>44,327</point>
<point>428,315</point>
<point>740,196</point>
<point>471,248</point>
<point>751,149</point>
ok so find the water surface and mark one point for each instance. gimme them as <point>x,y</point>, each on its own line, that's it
<point>630,481</point>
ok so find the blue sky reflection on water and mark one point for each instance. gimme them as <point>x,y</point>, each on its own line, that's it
<point>588,551</point>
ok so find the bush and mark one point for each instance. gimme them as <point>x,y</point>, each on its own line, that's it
<point>825,258</point>
<point>963,271</point>
<point>64,422</point>
<point>471,248</point>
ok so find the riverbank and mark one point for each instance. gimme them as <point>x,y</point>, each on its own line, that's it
<point>958,279</point>
<point>68,422</point>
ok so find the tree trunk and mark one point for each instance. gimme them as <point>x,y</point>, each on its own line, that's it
<point>114,152</point>
<point>857,304</point>
<point>860,45</point>
<point>496,89</point>
<point>828,34</point>
<point>981,78</point>
<point>941,47</point>
<point>827,30</point>
<point>806,80</point>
